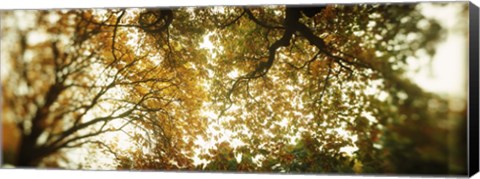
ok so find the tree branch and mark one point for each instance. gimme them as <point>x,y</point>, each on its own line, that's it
<point>233,21</point>
<point>102,144</point>
<point>258,22</point>
<point>325,85</point>
<point>115,35</point>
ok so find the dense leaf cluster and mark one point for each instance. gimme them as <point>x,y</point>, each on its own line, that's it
<point>280,89</point>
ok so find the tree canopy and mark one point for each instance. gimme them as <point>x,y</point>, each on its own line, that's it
<point>319,89</point>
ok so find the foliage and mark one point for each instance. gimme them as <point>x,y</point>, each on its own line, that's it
<point>282,89</point>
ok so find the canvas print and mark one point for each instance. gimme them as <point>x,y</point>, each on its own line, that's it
<point>322,89</point>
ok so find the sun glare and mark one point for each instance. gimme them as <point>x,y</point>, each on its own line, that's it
<point>449,63</point>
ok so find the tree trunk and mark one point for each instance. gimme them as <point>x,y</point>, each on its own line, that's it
<point>29,153</point>
<point>26,156</point>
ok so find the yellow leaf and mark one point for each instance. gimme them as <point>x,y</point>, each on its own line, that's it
<point>357,167</point>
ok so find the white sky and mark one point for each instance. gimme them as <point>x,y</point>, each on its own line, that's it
<point>448,75</point>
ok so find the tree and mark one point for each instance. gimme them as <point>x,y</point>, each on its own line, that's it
<point>284,89</point>
<point>81,78</point>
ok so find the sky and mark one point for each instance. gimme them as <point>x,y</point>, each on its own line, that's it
<point>450,60</point>
<point>448,72</point>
